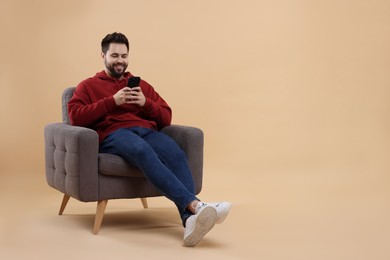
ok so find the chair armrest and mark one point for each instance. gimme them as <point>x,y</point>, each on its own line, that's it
<point>71,160</point>
<point>191,140</point>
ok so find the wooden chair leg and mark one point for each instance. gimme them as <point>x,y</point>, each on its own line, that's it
<point>144,203</point>
<point>101,207</point>
<point>63,204</point>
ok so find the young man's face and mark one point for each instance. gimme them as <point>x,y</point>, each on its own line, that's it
<point>116,59</point>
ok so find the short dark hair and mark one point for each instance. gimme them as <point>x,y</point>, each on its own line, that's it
<point>114,38</point>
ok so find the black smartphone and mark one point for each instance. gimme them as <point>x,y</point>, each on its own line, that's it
<point>133,82</point>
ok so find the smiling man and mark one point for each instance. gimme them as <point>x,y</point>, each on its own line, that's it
<point>128,121</point>
<point>115,59</point>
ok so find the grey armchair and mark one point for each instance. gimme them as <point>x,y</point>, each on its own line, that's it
<point>75,167</point>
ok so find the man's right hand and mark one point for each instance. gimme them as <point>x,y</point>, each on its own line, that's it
<point>121,95</point>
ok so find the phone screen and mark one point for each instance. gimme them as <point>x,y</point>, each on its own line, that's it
<point>133,82</point>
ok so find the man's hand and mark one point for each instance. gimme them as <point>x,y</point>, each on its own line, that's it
<point>130,96</point>
<point>135,96</point>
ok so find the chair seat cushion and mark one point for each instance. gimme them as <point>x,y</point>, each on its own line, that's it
<point>114,165</point>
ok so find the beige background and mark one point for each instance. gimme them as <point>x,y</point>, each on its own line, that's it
<point>292,97</point>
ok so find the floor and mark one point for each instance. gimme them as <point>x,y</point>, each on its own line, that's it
<point>302,214</point>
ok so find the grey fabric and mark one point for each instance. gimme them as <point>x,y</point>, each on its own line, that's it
<point>114,165</point>
<point>66,96</point>
<point>71,155</point>
<point>115,187</point>
<point>75,167</point>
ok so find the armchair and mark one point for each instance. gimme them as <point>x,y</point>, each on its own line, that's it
<point>75,167</point>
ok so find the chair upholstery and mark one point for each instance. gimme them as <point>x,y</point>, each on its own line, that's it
<point>75,167</point>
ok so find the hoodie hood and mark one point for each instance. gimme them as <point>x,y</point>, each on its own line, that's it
<point>103,76</point>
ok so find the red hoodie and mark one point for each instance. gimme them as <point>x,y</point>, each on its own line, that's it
<point>93,106</point>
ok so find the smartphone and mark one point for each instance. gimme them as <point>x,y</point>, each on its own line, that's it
<point>133,82</point>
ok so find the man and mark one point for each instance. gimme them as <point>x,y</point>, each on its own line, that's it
<point>127,121</point>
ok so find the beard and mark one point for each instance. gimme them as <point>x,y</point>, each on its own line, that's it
<point>117,69</point>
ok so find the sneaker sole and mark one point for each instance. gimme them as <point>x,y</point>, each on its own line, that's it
<point>205,221</point>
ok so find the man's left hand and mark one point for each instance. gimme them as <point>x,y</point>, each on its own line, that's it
<point>135,96</point>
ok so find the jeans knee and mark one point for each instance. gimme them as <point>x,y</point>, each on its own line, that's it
<point>137,153</point>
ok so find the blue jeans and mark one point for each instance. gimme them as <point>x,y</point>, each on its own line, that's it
<point>159,158</point>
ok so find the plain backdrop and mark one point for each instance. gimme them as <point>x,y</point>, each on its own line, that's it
<point>287,92</point>
<point>272,83</point>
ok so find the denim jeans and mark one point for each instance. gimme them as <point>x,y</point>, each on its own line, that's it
<point>159,158</point>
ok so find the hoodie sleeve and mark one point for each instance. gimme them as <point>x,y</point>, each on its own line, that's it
<point>156,108</point>
<point>84,112</point>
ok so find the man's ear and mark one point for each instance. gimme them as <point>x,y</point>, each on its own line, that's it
<point>102,54</point>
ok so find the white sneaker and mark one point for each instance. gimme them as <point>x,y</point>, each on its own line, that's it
<point>222,209</point>
<point>199,224</point>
